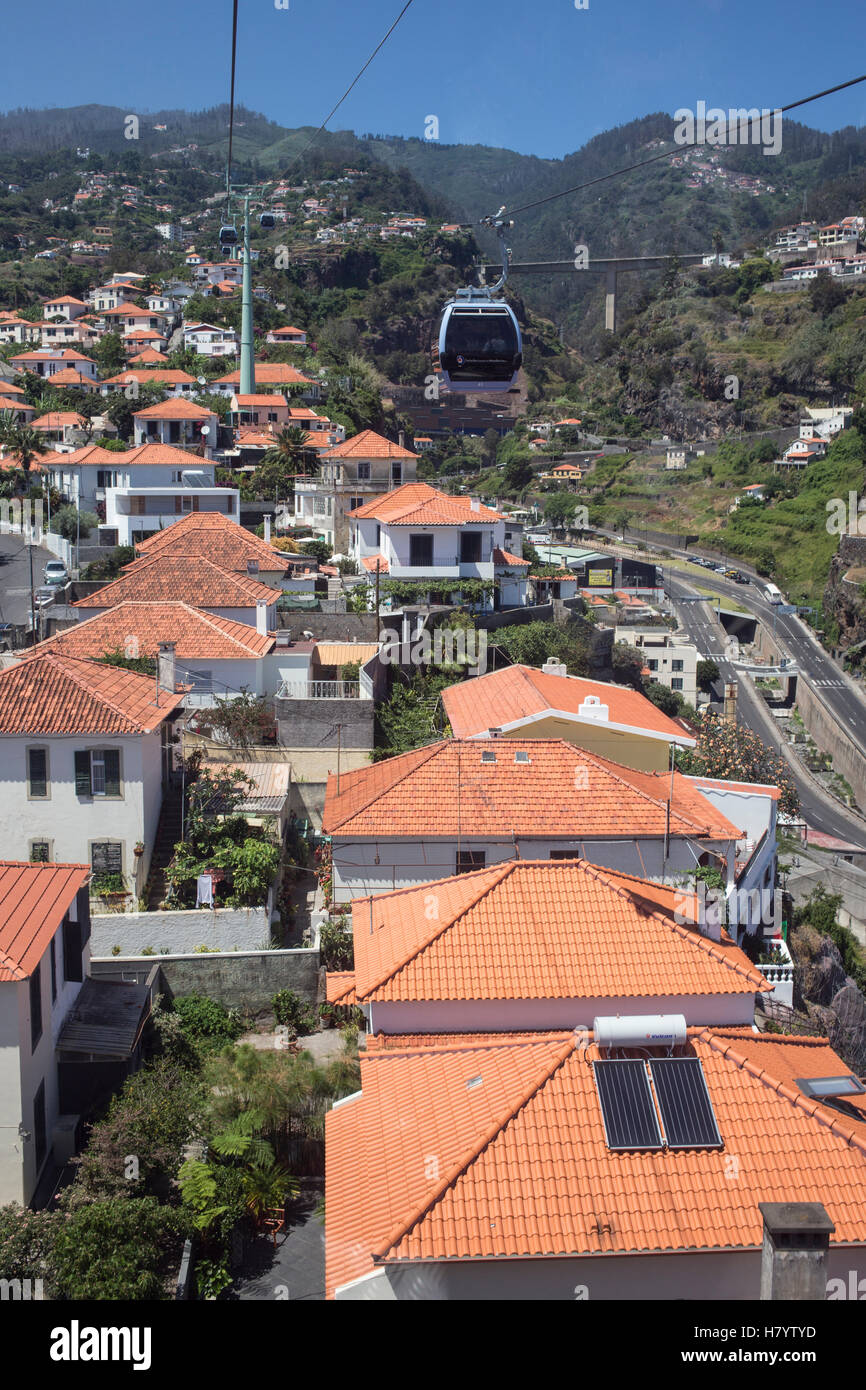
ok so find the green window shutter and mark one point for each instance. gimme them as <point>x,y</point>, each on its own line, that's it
<point>82,773</point>
<point>112,771</point>
<point>38,771</point>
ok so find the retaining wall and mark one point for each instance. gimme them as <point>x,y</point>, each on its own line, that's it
<point>244,979</point>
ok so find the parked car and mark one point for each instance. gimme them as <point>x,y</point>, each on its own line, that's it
<point>56,573</point>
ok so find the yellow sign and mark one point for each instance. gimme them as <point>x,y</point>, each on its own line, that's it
<point>601,579</point>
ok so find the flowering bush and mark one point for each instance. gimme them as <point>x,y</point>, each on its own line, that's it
<point>735,754</point>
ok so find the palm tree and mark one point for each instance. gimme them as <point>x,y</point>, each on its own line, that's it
<point>280,462</point>
<point>267,1184</point>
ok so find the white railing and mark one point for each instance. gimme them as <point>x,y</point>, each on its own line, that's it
<point>319,690</point>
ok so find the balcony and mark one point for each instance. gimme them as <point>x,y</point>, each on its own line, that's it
<point>320,690</point>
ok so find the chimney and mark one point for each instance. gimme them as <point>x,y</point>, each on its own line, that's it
<point>262,617</point>
<point>475,504</point>
<point>401,439</point>
<point>267,529</point>
<point>552,667</point>
<point>794,1254</point>
<point>252,568</point>
<point>165,666</point>
<point>730,715</point>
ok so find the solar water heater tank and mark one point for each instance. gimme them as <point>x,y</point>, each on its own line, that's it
<point>640,1030</point>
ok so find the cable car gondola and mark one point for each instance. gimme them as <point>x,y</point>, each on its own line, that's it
<point>267,220</point>
<point>228,235</point>
<point>480,348</point>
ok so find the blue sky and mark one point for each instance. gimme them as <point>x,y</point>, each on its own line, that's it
<point>541,77</point>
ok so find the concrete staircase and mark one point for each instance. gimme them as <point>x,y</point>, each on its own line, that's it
<point>168,833</point>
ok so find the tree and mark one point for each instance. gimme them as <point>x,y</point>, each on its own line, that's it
<point>115,1249</point>
<point>517,474</point>
<point>825,294</point>
<point>707,673</point>
<point>621,520</point>
<point>733,753</point>
<point>289,449</point>
<point>668,701</point>
<point>110,355</point>
<point>241,721</point>
<point>559,509</point>
<point>627,664</point>
<point>73,525</point>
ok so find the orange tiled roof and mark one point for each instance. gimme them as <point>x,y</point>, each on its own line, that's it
<point>504,698</point>
<point>374,563</point>
<point>492,939</point>
<point>273,400</point>
<point>175,408</point>
<point>341,987</point>
<point>51,355</point>
<point>523,1169</point>
<point>416,794</point>
<point>7,386</point>
<point>214,536</point>
<point>10,403</point>
<point>49,693</point>
<point>163,376</point>
<point>191,578</point>
<point>56,419</point>
<point>148,355</point>
<point>70,377</point>
<point>418,504</point>
<point>196,634</point>
<point>370,445</point>
<point>268,374</point>
<point>504,557</point>
<point>34,899</point>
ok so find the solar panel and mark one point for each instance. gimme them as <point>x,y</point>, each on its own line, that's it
<point>684,1103</point>
<point>627,1109</point>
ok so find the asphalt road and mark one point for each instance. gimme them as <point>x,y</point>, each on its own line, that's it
<point>15,577</point>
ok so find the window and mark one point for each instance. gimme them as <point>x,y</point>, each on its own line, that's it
<point>97,772</point>
<point>420,551</point>
<point>564,854</point>
<point>39,1132</point>
<point>396,474</point>
<point>53,954</point>
<point>136,506</point>
<point>653,665</point>
<point>37,773</point>
<point>469,859</point>
<point>319,508</point>
<point>35,1007</point>
<point>470,547</point>
<point>378,534</point>
<point>676,683</point>
<point>106,477</point>
<point>363,472</point>
<point>355,502</point>
<point>72,945</point>
<point>676,665</point>
<point>40,852</point>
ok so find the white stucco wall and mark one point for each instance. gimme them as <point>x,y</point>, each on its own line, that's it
<point>228,929</point>
<point>71,822</point>
<point>530,1015</point>
<point>405,862</point>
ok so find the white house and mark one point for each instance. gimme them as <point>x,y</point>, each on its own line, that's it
<point>209,340</point>
<point>669,659</point>
<point>47,362</point>
<point>65,306</point>
<point>44,959</point>
<point>85,758</point>
<point>417,532</point>
<point>178,422</point>
<point>459,805</point>
<point>88,474</point>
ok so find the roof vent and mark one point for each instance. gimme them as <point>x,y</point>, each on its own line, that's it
<point>473,1082</point>
<point>592,708</point>
<point>488,757</point>
<point>495,733</point>
<point>521,756</point>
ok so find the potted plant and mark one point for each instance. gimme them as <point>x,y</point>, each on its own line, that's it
<point>138,849</point>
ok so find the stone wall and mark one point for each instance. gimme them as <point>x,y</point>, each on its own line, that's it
<point>314,724</point>
<point>243,980</point>
<point>229,929</point>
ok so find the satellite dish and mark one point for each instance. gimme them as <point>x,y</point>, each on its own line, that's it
<point>202,380</point>
<point>205,429</point>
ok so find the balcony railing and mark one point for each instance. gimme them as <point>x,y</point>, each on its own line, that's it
<point>319,690</point>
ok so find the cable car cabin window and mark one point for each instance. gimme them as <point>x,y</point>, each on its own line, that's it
<point>481,343</point>
<point>420,551</point>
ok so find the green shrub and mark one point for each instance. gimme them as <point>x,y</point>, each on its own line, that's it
<point>336,944</point>
<point>116,1249</point>
<point>290,1010</point>
<point>207,1018</point>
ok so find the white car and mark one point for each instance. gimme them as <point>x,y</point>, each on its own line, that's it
<point>55,573</point>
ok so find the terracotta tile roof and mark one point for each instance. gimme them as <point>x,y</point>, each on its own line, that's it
<point>90,454</point>
<point>127,311</point>
<point>273,400</point>
<point>70,377</point>
<point>162,455</point>
<point>34,899</point>
<point>196,634</point>
<point>418,504</point>
<point>148,355</point>
<point>504,557</point>
<point>9,386</point>
<point>523,1170</point>
<point>548,929</point>
<point>163,376</point>
<point>10,403</point>
<point>49,693</point>
<point>370,445</point>
<point>192,577</point>
<point>217,538</point>
<point>51,355</point>
<point>268,374</point>
<point>341,987</point>
<point>56,419</point>
<point>63,299</point>
<point>787,1060</point>
<point>374,563</point>
<point>175,408</point>
<point>563,791</point>
<point>503,699</point>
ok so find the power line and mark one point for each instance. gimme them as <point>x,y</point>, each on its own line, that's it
<point>352,84</point>
<point>666,154</point>
<point>232,98</point>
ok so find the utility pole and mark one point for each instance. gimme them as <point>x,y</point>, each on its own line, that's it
<point>248,372</point>
<point>32,600</point>
<point>339,739</point>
